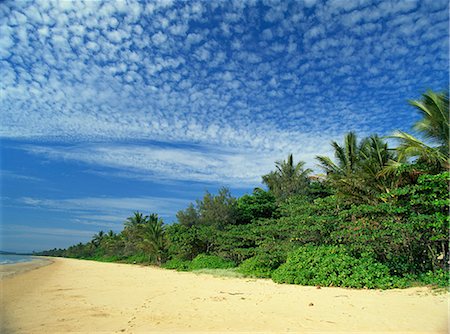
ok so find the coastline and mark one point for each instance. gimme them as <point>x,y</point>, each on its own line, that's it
<point>13,269</point>
<point>87,296</point>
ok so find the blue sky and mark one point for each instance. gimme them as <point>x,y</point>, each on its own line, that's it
<point>111,107</point>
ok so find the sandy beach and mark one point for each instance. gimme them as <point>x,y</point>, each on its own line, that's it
<point>8,270</point>
<point>86,297</point>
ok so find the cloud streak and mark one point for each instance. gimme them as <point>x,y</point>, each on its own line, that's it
<point>237,168</point>
<point>96,70</point>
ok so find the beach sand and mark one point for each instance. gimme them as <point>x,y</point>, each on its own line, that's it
<point>8,270</point>
<point>86,296</point>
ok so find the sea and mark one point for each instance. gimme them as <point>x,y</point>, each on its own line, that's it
<point>10,259</point>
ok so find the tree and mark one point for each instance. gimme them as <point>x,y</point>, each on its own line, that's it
<point>347,157</point>
<point>135,220</point>
<point>97,238</point>
<point>260,204</point>
<point>188,217</point>
<point>217,210</point>
<point>288,179</point>
<point>434,127</point>
<point>132,232</point>
<point>152,238</point>
<point>355,174</point>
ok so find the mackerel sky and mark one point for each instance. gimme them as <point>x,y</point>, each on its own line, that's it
<point>108,107</point>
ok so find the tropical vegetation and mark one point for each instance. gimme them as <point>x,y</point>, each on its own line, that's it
<point>377,218</point>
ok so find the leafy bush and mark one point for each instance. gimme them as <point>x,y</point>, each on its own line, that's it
<point>334,266</point>
<point>439,278</point>
<point>210,261</point>
<point>177,264</point>
<point>261,265</point>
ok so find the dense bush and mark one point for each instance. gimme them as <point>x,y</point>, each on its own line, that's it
<point>261,265</point>
<point>203,261</point>
<point>439,278</point>
<point>177,264</point>
<point>334,266</point>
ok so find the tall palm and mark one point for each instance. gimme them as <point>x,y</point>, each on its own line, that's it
<point>132,232</point>
<point>434,127</point>
<point>135,220</point>
<point>375,155</point>
<point>97,238</point>
<point>288,178</point>
<point>153,237</point>
<point>354,173</point>
<point>347,157</point>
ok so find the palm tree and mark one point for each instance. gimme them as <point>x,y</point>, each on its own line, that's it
<point>375,155</point>
<point>97,238</point>
<point>132,232</point>
<point>135,220</point>
<point>354,173</point>
<point>288,178</point>
<point>434,127</point>
<point>153,238</point>
<point>347,157</point>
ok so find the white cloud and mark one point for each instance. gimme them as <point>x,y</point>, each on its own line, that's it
<point>55,232</point>
<point>159,38</point>
<point>237,168</point>
<point>274,83</point>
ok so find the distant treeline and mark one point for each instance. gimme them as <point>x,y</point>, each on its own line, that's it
<point>377,218</point>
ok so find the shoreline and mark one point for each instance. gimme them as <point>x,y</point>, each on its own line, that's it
<point>13,269</point>
<point>87,296</point>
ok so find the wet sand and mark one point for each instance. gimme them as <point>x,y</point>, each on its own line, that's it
<point>8,270</point>
<point>86,297</point>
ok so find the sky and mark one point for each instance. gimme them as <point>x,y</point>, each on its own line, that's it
<point>108,107</point>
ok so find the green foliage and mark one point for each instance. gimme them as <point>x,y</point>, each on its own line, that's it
<point>434,126</point>
<point>288,179</point>
<point>177,264</point>
<point>260,204</point>
<point>203,261</point>
<point>356,173</point>
<point>261,265</point>
<point>439,278</point>
<point>144,235</point>
<point>333,266</point>
<point>188,217</point>
<point>217,210</point>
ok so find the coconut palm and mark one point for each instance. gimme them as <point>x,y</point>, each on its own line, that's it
<point>135,220</point>
<point>375,155</point>
<point>347,157</point>
<point>355,172</point>
<point>433,127</point>
<point>153,238</point>
<point>288,178</point>
<point>132,232</point>
<point>97,238</point>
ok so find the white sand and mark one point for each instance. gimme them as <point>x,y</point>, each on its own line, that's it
<point>85,296</point>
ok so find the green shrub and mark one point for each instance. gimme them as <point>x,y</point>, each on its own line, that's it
<point>334,266</point>
<point>439,278</point>
<point>261,265</point>
<point>177,264</point>
<point>210,261</point>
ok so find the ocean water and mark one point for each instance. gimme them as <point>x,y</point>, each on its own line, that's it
<point>9,259</point>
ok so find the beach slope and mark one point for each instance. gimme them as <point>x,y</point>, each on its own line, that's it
<point>86,296</point>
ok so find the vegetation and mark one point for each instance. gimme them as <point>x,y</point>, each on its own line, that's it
<point>378,219</point>
<point>334,266</point>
